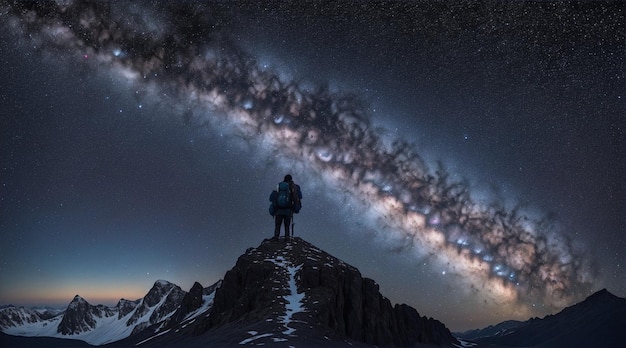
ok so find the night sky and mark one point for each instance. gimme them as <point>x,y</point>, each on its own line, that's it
<point>469,157</point>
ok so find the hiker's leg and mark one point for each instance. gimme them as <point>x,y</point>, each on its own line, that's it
<point>287,219</point>
<point>278,220</point>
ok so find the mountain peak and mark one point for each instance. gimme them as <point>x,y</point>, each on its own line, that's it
<point>603,294</point>
<point>160,289</point>
<point>162,300</point>
<point>77,302</point>
<point>162,282</point>
<point>78,298</point>
<point>294,289</point>
<point>79,317</point>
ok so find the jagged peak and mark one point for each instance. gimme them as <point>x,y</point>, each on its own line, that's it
<point>210,289</point>
<point>123,301</point>
<point>78,302</point>
<point>163,283</point>
<point>160,288</point>
<point>79,299</point>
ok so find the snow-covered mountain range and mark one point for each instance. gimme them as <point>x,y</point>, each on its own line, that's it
<point>18,316</point>
<point>98,325</point>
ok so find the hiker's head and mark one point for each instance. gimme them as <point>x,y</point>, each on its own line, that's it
<point>288,178</point>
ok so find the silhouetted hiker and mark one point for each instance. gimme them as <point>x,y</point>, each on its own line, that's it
<point>285,201</point>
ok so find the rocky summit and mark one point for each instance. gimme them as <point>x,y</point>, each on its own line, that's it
<point>80,316</point>
<point>285,292</point>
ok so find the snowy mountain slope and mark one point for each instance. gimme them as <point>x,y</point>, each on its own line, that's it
<point>176,326</point>
<point>98,325</point>
<point>11,316</point>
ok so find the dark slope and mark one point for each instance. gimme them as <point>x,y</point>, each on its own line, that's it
<point>8,341</point>
<point>598,321</point>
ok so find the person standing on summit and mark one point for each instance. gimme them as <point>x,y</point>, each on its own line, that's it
<point>285,201</point>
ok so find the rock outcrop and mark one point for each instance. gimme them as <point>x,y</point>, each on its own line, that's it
<point>163,299</point>
<point>335,299</point>
<point>190,303</point>
<point>11,316</point>
<point>125,306</point>
<point>80,316</point>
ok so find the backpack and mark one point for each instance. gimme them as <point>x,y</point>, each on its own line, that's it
<point>273,196</point>
<point>296,195</point>
<point>284,200</point>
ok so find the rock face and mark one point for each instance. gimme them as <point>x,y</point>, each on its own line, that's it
<point>125,306</point>
<point>333,299</point>
<point>80,316</point>
<point>162,300</point>
<point>191,302</point>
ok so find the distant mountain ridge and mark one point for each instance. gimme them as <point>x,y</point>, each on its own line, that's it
<point>598,321</point>
<point>502,329</point>
<point>100,324</point>
<point>11,316</point>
